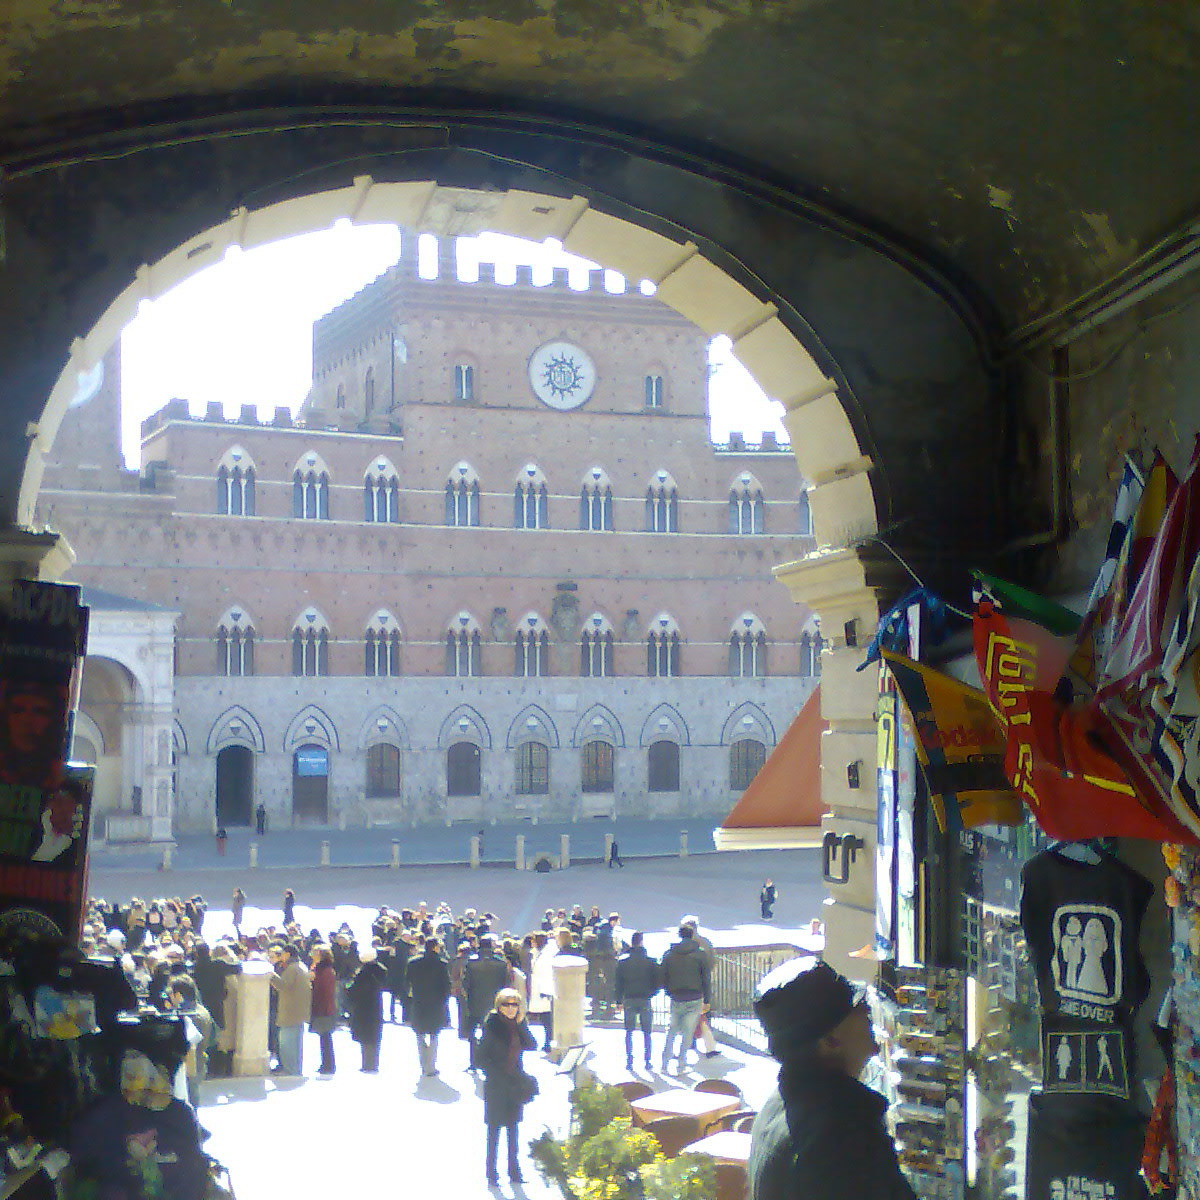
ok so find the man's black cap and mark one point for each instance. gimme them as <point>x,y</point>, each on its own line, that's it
<point>801,1001</point>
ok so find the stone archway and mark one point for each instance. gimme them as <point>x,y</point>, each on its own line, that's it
<point>842,585</point>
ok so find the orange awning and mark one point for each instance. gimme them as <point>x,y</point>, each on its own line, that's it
<point>786,792</point>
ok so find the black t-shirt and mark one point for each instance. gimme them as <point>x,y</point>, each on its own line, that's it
<point>1082,922</point>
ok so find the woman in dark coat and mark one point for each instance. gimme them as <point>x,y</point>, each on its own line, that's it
<point>238,907</point>
<point>289,907</point>
<point>506,1085</point>
<point>323,1017</point>
<point>428,1008</point>
<point>364,1000</point>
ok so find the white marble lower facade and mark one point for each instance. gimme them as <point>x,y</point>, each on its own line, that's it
<point>336,720</point>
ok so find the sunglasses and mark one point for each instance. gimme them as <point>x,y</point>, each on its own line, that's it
<point>509,1004</point>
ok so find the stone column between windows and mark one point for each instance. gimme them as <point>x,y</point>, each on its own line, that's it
<point>843,586</point>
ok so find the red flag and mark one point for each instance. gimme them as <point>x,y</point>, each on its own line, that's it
<point>1056,757</point>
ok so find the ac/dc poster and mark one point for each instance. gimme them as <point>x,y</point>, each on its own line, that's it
<point>44,805</point>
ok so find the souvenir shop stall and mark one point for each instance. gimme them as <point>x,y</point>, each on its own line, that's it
<point>1038,872</point>
<point>88,1103</point>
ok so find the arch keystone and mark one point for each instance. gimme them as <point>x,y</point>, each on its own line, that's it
<point>537,216</point>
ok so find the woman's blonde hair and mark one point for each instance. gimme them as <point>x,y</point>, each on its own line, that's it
<point>510,994</point>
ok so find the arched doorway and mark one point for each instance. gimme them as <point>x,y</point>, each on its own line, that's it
<point>235,786</point>
<point>310,784</point>
<point>463,776</point>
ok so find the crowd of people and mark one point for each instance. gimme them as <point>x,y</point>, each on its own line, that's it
<point>427,968</point>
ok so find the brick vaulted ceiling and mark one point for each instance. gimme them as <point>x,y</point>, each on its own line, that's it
<point>1028,148</point>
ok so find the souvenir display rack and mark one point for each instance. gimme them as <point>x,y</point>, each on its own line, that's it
<point>921,1041</point>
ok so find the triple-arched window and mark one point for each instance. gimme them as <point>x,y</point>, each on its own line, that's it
<point>462,496</point>
<point>532,647</point>
<point>531,499</point>
<point>596,502</point>
<point>596,648</point>
<point>381,645</point>
<point>235,484</point>
<point>381,492</point>
<point>235,643</point>
<point>662,504</point>
<point>310,644</point>
<point>747,648</point>
<point>464,647</point>
<point>746,505</point>
<point>662,648</point>
<point>310,489</point>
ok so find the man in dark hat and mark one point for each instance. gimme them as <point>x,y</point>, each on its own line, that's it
<point>821,1134</point>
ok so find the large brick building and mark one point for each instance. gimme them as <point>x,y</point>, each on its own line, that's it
<point>495,566</point>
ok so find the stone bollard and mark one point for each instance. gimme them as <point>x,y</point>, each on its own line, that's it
<point>254,854</point>
<point>395,853</point>
<point>252,993</point>
<point>608,841</point>
<point>519,856</point>
<point>564,851</point>
<point>324,854</point>
<point>473,853</point>
<point>167,857</point>
<point>570,979</point>
<point>683,843</point>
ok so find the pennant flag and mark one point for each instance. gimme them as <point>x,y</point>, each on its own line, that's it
<point>1057,758</point>
<point>960,746</point>
<point>1046,627</point>
<point>1159,595</point>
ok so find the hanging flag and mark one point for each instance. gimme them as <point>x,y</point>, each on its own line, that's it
<point>1155,602</point>
<point>960,747</point>
<point>1058,758</point>
<point>892,632</point>
<point>1047,628</point>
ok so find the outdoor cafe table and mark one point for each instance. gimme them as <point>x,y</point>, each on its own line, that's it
<point>724,1147</point>
<point>704,1107</point>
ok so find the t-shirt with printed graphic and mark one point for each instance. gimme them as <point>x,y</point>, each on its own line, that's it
<point>1082,922</point>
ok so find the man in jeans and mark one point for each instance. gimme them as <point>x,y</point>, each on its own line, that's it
<point>638,980</point>
<point>294,1010</point>
<point>685,979</point>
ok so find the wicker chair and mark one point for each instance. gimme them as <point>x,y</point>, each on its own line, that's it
<point>732,1120</point>
<point>674,1134</point>
<point>733,1183</point>
<point>634,1089</point>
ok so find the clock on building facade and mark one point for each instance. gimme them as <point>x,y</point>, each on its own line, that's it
<point>562,375</point>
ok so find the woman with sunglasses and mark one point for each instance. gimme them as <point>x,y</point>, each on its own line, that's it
<point>507,1088</point>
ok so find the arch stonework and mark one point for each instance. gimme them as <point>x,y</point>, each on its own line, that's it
<point>748,721</point>
<point>312,725</point>
<point>236,726</point>
<point>838,584</point>
<point>532,724</point>
<point>383,724</point>
<point>665,723</point>
<point>598,724</point>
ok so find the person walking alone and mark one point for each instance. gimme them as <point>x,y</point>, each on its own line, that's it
<point>260,820</point>
<point>614,856</point>
<point>507,1088</point>
<point>238,908</point>
<point>428,982</point>
<point>766,900</point>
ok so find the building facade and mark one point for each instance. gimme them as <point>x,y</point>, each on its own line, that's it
<point>494,567</point>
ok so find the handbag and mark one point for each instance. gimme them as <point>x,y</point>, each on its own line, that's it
<point>527,1087</point>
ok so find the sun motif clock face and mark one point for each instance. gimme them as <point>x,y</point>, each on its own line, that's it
<point>562,375</point>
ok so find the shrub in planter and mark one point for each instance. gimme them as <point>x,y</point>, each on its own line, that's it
<point>606,1158</point>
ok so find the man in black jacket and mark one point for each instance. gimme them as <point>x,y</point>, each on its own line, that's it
<point>821,1135</point>
<point>484,974</point>
<point>639,978</point>
<point>685,978</point>
<point>428,982</point>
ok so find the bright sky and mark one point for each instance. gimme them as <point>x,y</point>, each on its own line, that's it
<point>240,332</point>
